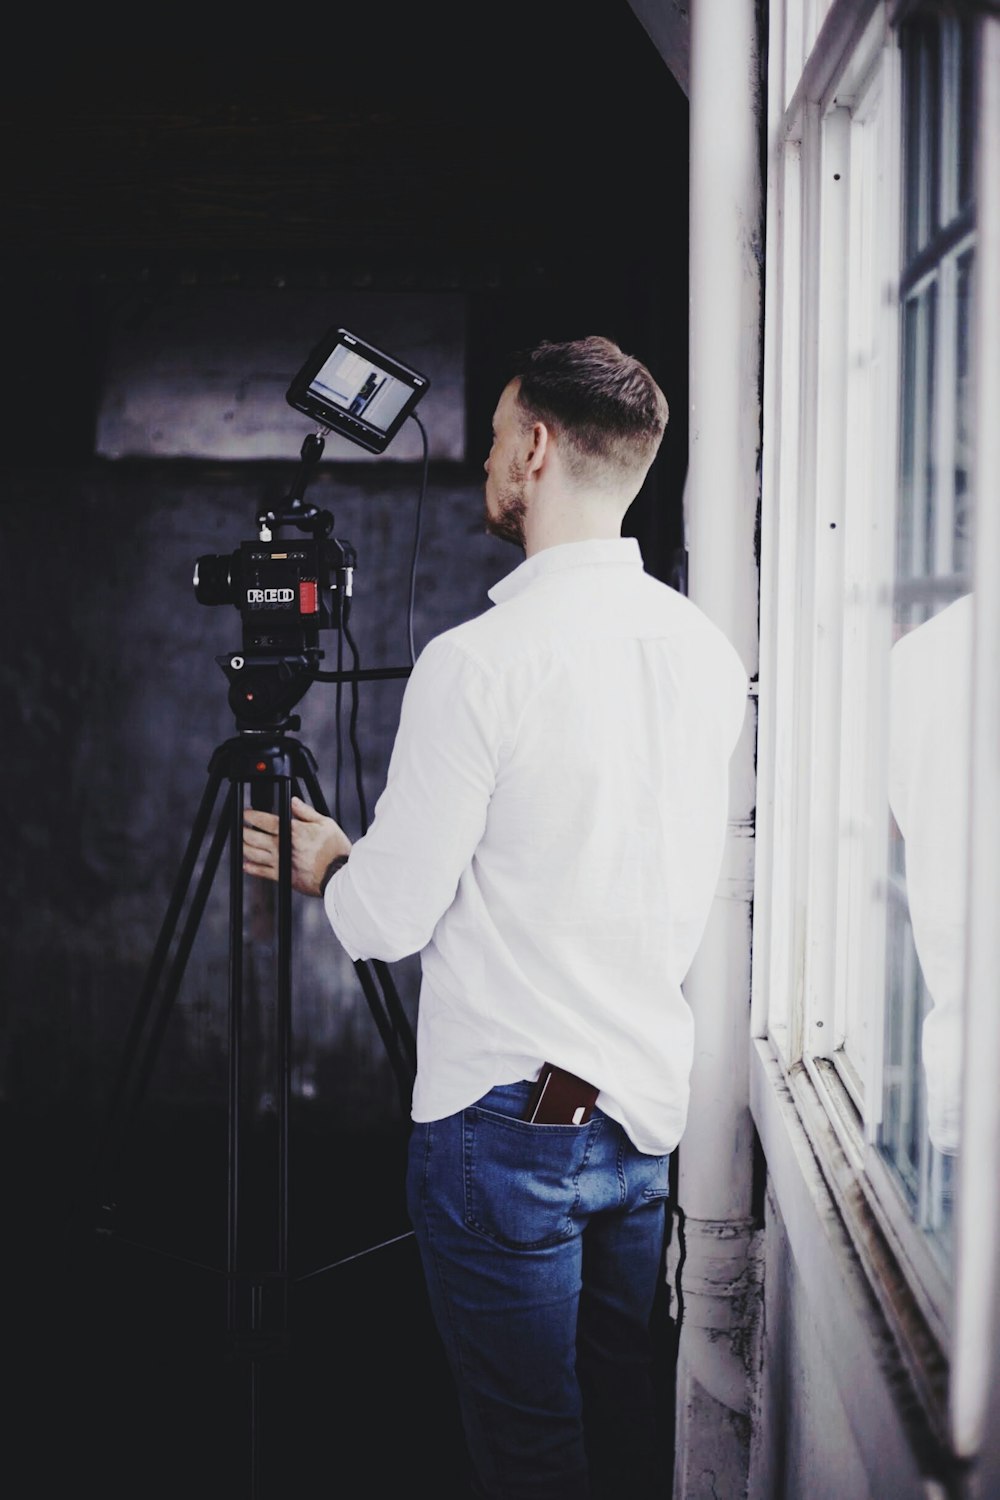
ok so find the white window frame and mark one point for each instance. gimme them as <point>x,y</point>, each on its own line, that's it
<point>814,947</point>
<point>821,381</point>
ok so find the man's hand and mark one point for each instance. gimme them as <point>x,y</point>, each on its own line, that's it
<point>316,840</point>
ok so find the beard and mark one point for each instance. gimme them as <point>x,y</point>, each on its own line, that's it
<point>508,523</point>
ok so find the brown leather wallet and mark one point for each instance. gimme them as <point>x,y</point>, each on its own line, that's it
<point>560,1098</point>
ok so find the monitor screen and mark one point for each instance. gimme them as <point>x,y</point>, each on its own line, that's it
<point>356,390</point>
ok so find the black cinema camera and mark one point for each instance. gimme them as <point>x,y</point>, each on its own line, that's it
<point>286,593</point>
<point>287,590</point>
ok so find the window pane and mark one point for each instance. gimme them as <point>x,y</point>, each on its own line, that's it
<point>966,110</point>
<point>931,655</point>
<point>930,713</point>
<point>915,526</point>
<point>922,115</point>
<point>962,558</point>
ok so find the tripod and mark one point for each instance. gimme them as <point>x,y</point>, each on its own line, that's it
<point>271,764</point>
<point>287,593</point>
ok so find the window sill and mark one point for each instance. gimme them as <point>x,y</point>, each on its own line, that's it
<point>890,1369</point>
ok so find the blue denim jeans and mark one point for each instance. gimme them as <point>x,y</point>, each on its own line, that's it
<point>541,1247</point>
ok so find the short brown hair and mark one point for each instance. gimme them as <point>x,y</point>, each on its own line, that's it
<point>604,405</point>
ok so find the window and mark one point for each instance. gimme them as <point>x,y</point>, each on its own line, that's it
<point>866,594</point>
<point>876,940</point>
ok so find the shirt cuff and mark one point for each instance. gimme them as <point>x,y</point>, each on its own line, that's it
<point>343,930</point>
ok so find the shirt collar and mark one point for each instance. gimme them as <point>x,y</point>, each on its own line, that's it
<point>618,550</point>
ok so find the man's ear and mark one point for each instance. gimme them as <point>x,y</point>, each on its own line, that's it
<point>539,448</point>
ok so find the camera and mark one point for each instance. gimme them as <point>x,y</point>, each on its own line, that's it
<point>287,591</point>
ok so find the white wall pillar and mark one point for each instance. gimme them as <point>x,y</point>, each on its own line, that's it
<point>720,1280</point>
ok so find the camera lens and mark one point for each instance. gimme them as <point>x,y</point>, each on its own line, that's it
<point>213,579</point>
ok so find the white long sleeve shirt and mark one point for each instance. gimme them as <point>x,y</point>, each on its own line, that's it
<point>550,836</point>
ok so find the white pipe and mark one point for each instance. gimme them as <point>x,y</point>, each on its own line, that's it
<point>721,501</point>
<point>721,1287</point>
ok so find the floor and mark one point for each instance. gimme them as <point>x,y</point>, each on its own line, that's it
<point>126,1380</point>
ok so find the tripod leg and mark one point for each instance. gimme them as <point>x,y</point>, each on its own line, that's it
<point>284,1010</point>
<point>185,945</point>
<point>235,1051</point>
<point>307,770</point>
<point>284,1007</point>
<point>257,1324</point>
<point>118,1116</point>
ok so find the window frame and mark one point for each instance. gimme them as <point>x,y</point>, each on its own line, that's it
<point>797,947</point>
<point>806,979</point>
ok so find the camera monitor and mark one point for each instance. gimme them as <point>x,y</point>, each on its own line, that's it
<point>354,389</point>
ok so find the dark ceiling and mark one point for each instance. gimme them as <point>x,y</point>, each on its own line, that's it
<point>449,142</point>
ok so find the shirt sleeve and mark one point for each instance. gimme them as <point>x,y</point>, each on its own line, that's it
<point>707,800</point>
<point>403,873</point>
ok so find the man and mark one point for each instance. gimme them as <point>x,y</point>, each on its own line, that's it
<point>549,840</point>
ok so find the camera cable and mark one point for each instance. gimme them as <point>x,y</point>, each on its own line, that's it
<point>416,535</point>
